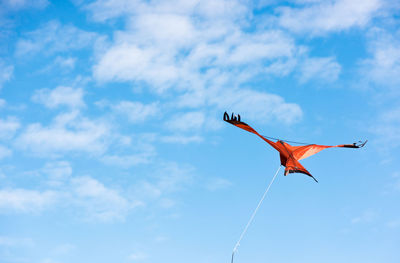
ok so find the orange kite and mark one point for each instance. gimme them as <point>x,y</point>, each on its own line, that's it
<point>290,155</point>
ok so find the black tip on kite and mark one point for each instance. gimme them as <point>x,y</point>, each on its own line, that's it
<point>362,144</point>
<point>226,116</point>
<point>233,119</point>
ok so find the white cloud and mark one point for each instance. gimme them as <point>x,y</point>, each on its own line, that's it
<point>49,260</point>
<point>383,67</point>
<point>106,9</point>
<point>58,172</point>
<point>367,216</point>
<point>393,223</point>
<point>101,203</point>
<point>326,69</point>
<point>381,72</point>
<point>60,65</point>
<point>67,133</point>
<point>63,249</point>
<point>25,201</point>
<point>54,37</point>
<point>67,62</point>
<point>167,179</point>
<point>186,121</point>
<point>103,10</point>
<point>8,127</point>
<point>204,53</point>
<point>7,241</point>
<point>387,128</point>
<point>265,107</point>
<point>328,16</point>
<point>60,96</point>
<point>181,139</point>
<point>168,28</point>
<point>261,46</point>
<point>160,239</point>
<point>2,103</point>
<point>4,152</point>
<point>136,111</point>
<point>23,4</point>
<point>127,161</point>
<point>143,56</point>
<point>6,72</point>
<point>230,10</point>
<point>217,183</point>
<point>172,177</point>
<point>58,169</point>
<point>137,256</point>
<point>396,185</point>
<point>88,197</point>
<point>131,63</point>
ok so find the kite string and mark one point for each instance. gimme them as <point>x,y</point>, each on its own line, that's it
<point>254,214</point>
<point>273,138</point>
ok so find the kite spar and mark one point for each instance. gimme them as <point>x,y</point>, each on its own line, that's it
<point>289,155</point>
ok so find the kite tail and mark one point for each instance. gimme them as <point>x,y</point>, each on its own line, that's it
<point>253,215</point>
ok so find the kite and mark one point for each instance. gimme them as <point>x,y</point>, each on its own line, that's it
<point>290,156</point>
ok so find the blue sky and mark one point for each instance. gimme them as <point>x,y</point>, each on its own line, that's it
<point>113,148</point>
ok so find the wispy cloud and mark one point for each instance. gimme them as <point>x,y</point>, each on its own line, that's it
<point>4,152</point>
<point>22,200</point>
<point>214,184</point>
<point>57,172</point>
<point>387,128</point>
<point>393,223</point>
<point>88,197</point>
<point>204,54</point>
<point>103,10</point>
<point>61,64</point>
<point>367,216</point>
<point>168,178</point>
<point>16,5</point>
<point>63,249</point>
<point>54,37</point>
<point>181,139</point>
<point>6,72</point>
<point>68,132</point>
<point>126,161</point>
<point>137,256</point>
<point>135,111</point>
<point>187,121</point>
<point>382,68</point>
<point>99,202</point>
<point>8,127</point>
<point>325,69</point>
<point>142,55</point>
<point>321,17</point>
<point>60,96</point>
<point>8,241</point>
<point>265,107</point>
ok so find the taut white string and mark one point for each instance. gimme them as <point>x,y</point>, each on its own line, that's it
<point>254,214</point>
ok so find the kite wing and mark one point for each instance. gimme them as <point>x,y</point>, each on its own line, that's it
<point>235,120</point>
<point>302,152</point>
